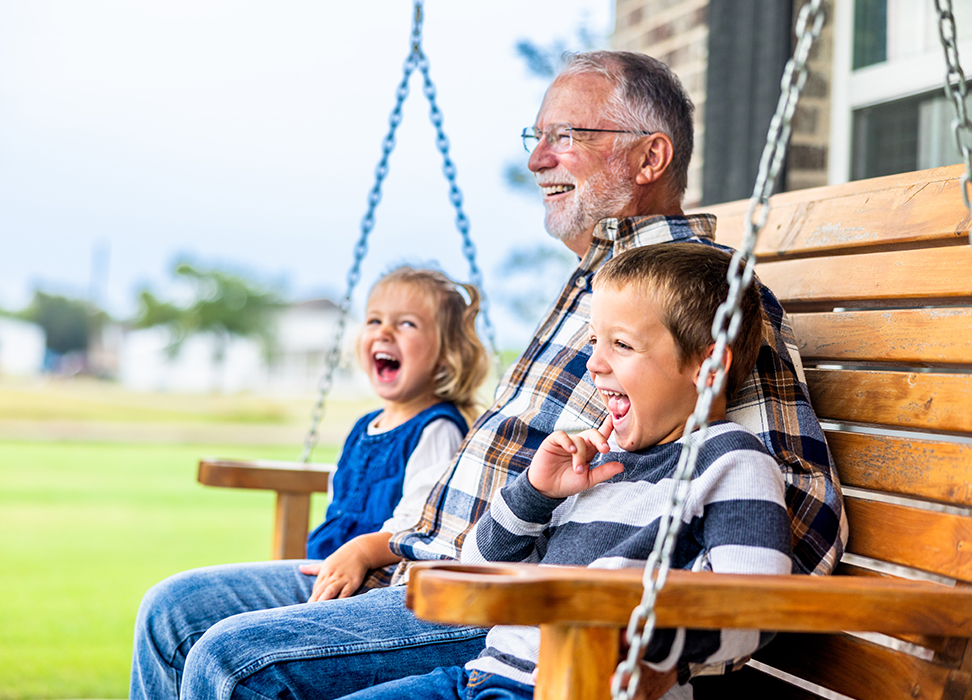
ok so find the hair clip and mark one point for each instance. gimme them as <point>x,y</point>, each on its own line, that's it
<point>464,293</point>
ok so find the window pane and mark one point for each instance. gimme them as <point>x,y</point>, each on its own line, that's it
<point>885,139</point>
<point>910,134</point>
<point>936,140</point>
<point>870,32</point>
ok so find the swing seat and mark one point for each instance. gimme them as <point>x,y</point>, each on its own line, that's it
<point>294,482</point>
<point>876,277</point>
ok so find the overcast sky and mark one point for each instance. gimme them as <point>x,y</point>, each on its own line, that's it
<point>245,134</point>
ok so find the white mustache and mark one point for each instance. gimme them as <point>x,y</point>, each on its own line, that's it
<point>554,177</point>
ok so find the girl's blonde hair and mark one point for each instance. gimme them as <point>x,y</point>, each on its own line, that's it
<point>463,361</point>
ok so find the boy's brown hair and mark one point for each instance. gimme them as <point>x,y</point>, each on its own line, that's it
<point>689,282</point>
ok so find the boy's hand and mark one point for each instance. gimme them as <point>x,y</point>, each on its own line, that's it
<point>561,467</point>
<point>338,576</point>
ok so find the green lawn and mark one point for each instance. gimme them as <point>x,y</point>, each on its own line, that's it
<point>85,529</point>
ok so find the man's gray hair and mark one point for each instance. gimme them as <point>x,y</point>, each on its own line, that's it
<point>647,97</point>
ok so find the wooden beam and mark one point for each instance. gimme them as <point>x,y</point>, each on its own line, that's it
<point>576,662</point>
<point>530,595</point>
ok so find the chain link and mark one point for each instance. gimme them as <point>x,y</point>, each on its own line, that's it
<point>641,625</point>
<point>956,90</point>
<point>416,59</point>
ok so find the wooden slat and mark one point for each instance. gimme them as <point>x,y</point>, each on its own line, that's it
<point>947,650</point>
<point>922,539</point>
<point>926,276</point>
<point>859,669</point>
<point>939,471</point>
<point>912,337</point>
<point>531,595</point>
<point>293,477</point>
<point>923,207</point>
<point>922,401</point>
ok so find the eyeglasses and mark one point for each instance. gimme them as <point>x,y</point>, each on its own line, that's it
<point>561,136</point>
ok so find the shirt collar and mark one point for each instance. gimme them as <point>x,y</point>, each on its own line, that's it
<point>612,236</point>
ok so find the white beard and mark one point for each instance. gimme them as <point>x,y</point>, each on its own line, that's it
<point>603,195</point>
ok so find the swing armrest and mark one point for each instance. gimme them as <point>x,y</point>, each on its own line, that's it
<point>525,594</point>
<point>294,483</point>
<point>582,611</point>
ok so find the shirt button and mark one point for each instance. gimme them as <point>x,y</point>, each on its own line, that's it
<point>581,283</point>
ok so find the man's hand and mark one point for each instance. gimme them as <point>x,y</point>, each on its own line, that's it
<point>340,575</point>
<point>562,465</point>
<point>654,684</point>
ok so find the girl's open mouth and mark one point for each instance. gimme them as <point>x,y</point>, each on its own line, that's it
<point>386,366</point>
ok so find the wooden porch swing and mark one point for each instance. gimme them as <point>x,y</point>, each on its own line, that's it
<point>876,277</point>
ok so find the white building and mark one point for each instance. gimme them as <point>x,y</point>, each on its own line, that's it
<point>22,347</point>
<point>304,335</point>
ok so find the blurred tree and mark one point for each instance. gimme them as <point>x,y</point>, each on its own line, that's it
<point>527,275</point>
<point>68,323</point>
<point>224,305</point>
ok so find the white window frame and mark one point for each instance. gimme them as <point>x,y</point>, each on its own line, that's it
<point>891,80</point>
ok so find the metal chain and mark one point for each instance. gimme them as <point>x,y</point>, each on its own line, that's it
<point>956,90</point>
<point>455,196</point>
<point>641,625</point>
<point>416,59</point>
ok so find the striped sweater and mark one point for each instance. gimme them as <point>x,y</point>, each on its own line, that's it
<point>735,521</point>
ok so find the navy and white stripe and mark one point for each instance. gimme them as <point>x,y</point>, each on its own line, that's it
<point>735,521</point>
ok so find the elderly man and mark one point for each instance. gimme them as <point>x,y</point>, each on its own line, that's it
<point>610,150</point>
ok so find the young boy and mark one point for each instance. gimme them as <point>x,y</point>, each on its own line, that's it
<point>596,498</point>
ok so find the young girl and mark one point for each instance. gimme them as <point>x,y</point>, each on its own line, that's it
<point>423,358</point>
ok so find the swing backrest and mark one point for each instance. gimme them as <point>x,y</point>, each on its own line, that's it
<point>876,277</point>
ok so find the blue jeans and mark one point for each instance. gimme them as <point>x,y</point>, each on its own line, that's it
<point>244,631</point>
<point>453,683</point>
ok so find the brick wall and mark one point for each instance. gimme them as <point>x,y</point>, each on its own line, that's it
<point>810,140</point>
<point>677,32</point>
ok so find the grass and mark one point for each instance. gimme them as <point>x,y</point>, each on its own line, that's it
<point>92,400</point>
<point>85,529</point>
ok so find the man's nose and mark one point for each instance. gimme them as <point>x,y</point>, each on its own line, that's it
<point>542,157</point>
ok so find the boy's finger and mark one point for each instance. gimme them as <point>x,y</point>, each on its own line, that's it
<point>563,440</point>
<point>605,471</point>
<point>598,440</point>
<point>607,427</point>
<point>582,456</point>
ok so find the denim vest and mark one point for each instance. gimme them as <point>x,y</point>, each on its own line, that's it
<point>368,482</point>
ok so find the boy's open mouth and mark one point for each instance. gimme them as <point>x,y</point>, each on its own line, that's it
<point>617,403</point>
<point>386,366</point>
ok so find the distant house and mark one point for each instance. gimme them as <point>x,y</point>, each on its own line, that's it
<point>303,338</point>
<point>22,347</point>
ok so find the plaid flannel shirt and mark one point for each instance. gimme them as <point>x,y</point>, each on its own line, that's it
<point>549,389</point>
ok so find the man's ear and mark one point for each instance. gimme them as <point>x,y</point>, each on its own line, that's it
<point>727,361</point>
<point>654,156</point>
